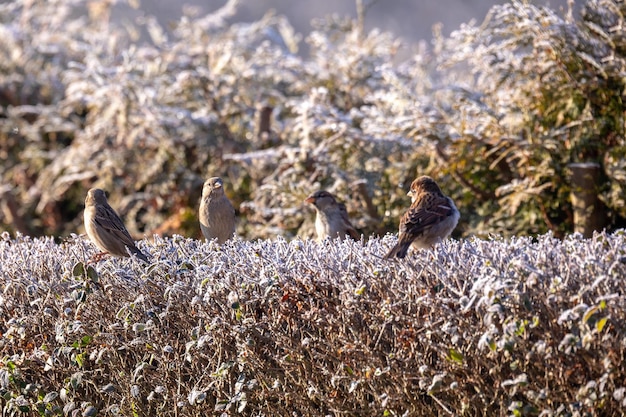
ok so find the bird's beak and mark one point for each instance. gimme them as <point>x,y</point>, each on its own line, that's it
<point>310,200</point>
<point>218,185</point>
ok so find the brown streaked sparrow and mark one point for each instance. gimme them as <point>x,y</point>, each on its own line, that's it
<point>105,228</point>
<point>430,219</point>
<point>217,214</point>
<point>331,219</point>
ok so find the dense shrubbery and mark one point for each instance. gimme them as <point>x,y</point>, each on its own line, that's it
<point>496,112</point>
<point>546,91</point>
<point>500,327</point>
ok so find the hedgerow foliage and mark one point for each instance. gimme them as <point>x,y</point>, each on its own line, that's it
<point>542,91</point>
<point>495,113</point>
<point>271,327</point>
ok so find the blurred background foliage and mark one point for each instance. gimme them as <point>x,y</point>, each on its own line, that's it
<point>495,113</point>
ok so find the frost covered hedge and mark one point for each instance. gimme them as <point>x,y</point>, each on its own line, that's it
<point>270,327</point>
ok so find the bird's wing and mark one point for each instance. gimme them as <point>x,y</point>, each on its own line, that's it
<point>428,211</point>
<point>353,233</point>
<point>108,220</point>
<point>350,230</point>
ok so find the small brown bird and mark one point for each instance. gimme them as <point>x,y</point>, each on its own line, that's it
<point>105,228</point>
<point>331,219</point>
<point>217,215</point>
<point>430,219</point>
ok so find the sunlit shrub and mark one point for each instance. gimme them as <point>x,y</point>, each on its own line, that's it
<point>272,327</point>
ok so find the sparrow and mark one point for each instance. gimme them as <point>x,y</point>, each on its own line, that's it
<point>331,219</point>
<point>430,219</point>
<point>105,228</point>
<point>217,215</point>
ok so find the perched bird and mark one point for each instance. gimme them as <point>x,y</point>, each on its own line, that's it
<point>430,219</point>
<point>331,219</point>
<point>105,228</point>
<point>217,215</point>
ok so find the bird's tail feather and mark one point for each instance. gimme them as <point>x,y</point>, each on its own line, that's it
<point>398,251</point>
<point>139,254</point>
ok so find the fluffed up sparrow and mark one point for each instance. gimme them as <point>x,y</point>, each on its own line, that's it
<point>430,219</point>
<point>105,228</point>
<point>331,219</point>
<point>217,215</point>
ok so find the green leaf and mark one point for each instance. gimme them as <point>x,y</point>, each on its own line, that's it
<point>90,411</point>
<point>92,274</point>
<point>221,405</point>
<point>51,396</point>
<point>80,359</point>
<point>79,296</point>
<point>535,322</point>
<point>188,266</point>
<point>139,327</point>
<point>456,356</point>
<point>78,270</point>
<point>437,288</point>
<point>601,323</point>
<point>590,312</point>
<point>360,290</point>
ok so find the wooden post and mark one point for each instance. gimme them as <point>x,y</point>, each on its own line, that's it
<point>264,120</point>
<point>264,126</point>
<point>589,211</point>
